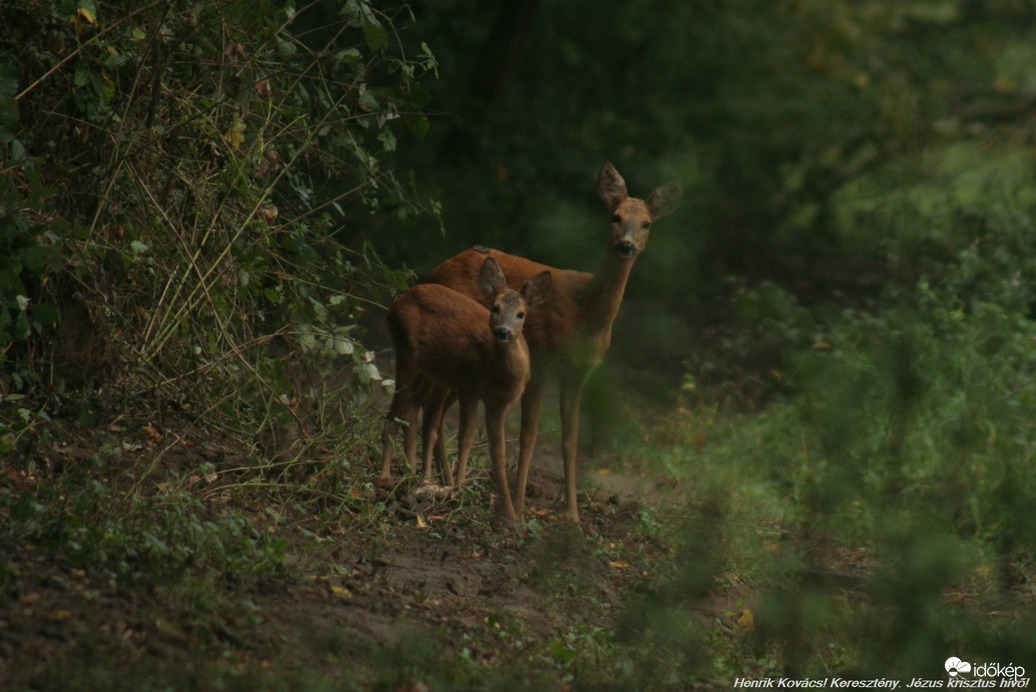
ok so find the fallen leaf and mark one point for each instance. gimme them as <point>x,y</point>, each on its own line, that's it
<point>746,620</point>
<point>153,435</point>
<point>236,135</point>
<point>263,90</point>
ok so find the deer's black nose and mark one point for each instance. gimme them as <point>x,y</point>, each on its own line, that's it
<point>502,333</point>
<point>626,248</point>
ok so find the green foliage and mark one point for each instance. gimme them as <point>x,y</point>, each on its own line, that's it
<point>209,159</point>
<point>892,455</point>
<point>30,250</point>
<point>925,406</point>
<point>770,113</point>
<point>133,540</point>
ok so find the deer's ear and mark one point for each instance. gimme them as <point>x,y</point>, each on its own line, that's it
<point>536,289</point>
<point>611,187</point>
<point>491,278</point>
<point>663,200</point>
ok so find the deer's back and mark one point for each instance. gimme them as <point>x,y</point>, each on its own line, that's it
<point>554,324</point>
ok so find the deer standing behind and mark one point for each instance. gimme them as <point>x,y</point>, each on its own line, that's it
<point>449,343</point>
<point>570,333</point>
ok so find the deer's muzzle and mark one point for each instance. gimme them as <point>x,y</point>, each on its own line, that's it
<point>625,248</point>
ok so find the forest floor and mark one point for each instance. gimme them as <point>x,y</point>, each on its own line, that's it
<point>410,588</point>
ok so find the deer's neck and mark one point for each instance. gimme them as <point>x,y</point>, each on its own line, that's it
<point>604,293</point>
<point>510,356</point>
<point>508,370</point>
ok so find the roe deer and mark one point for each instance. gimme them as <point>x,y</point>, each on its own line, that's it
<point>569,335</point>
<point>446,342</point>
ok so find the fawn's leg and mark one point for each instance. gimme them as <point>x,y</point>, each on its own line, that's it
<point>440,442</point>
<point>431,436</point>
<point>498,461</point>
<point>531,399</point>
<point>466,435</point>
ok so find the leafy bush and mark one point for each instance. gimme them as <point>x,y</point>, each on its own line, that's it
<point>130,539</point>
<point>176,186</point>
<point>927,406</point>
<point>884,488</point>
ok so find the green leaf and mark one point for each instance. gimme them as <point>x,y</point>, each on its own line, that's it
<point>18,150</point>
<point>40,257</point>
<point>46,315</point>
<point>87,10</point>
<point>367,101</point>
<point>375,34</point>
<point>8,80</point>
<point>286,48</point>
<point>9,113</point>
<point>419,96</point>
<point>22,328</point>
<point>418,124</point>
<point>82,75</point>
<point>387,139</point>
<point>10,279</point>
<point>349,56</point>
<point>103,87</point>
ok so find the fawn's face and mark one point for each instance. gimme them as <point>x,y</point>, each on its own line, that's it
<point>631,225</point>
<point>507,315</point>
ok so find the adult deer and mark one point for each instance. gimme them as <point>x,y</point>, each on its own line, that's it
<point>569,335</point>
<point>447,342</point>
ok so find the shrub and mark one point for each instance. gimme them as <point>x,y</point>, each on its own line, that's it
<point>178,190</point>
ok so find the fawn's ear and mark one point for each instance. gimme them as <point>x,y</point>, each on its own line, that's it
<point>663,200</point>
<point>536,289</point>
<point>491,278</point>
<point>611,187</point>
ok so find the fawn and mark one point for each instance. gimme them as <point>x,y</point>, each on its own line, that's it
<point>569,335</point>
<point>449,343</point>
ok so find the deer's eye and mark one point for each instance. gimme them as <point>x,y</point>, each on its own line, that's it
<point>616,218</point>
<point>646,225</point>
<point>521,315</point>
<point>496,309</point>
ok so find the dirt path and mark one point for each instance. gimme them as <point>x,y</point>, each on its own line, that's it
<point>427,590</point>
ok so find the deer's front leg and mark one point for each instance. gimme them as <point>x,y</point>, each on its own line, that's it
<point>498,460</point>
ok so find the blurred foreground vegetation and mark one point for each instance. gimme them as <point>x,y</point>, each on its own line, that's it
<point>830,347</point>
